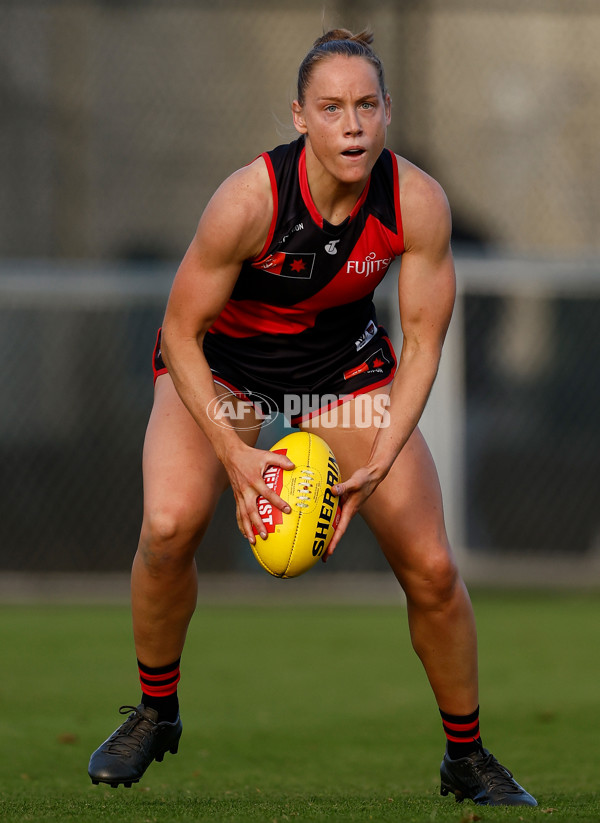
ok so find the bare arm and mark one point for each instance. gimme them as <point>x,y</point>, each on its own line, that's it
<point>232,229</point>
<point>426,292</point>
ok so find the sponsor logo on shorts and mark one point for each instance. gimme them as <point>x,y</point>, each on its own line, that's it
<point>368,334</point>
<point>377,363</point>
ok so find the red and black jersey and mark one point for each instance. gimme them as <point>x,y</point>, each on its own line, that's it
<point>310,289</point>
<point>301,317</point>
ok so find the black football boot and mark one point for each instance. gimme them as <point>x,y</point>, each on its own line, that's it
<point>128,752</point>
<point>480,777</point>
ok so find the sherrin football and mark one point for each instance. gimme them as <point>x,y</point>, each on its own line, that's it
<point>295,541</point>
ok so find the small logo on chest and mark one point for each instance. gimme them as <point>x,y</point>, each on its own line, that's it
<point>331,247</point>
<point>293,230</point>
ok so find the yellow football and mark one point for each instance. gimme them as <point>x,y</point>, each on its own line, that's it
<point>297,540</point>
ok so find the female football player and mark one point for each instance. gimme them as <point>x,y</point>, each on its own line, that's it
<point>274,299</point>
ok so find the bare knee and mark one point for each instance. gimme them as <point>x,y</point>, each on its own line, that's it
<point>432,582</point>
<point>169,538</point>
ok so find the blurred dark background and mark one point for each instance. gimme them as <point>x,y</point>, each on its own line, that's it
<point>118,121</point>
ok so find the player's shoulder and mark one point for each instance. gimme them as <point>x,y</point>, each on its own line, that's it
<point>249,185</point>
<point>242,207</point>
<point>418,187</point>
<point>255,183</point>
<point>424,204</point>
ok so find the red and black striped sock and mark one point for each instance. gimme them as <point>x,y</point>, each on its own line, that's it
<point>159,689</point>
<point>462,733</point>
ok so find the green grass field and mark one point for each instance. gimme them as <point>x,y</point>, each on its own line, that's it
<point>299,714</point>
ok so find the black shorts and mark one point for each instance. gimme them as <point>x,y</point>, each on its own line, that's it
<point>336,376</point>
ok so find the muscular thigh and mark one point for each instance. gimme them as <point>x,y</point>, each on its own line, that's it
<point>405,511</point>
<point>183,478</point>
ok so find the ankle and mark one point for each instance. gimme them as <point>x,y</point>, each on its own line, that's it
<point>462,734</point>
<point>159,690</point>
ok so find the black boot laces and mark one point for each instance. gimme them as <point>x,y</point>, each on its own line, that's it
<point>132,733</point>
<point>494,773</point>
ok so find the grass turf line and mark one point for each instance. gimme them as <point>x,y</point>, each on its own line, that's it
<point>298,714</point>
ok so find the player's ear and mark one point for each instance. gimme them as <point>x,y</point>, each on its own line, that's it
<point>298,117</point>
<point>387,100</point>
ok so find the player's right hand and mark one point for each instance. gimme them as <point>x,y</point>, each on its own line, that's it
<point>246,468</point>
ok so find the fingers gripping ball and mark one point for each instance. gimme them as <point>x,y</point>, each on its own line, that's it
<point>297,540</point>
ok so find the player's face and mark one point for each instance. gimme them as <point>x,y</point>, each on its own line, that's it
<point>344,117</point>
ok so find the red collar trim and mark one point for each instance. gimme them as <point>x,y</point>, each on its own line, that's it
<point>307,197</point>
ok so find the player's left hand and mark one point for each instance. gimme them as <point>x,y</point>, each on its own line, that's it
<point>352,493</point>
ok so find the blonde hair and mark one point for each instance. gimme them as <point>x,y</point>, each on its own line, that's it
<point>339,41</point>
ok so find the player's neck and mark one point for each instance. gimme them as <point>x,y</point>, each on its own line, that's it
<point>334,199</point>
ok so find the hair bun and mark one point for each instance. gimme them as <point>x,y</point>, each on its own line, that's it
<point>365,36</point>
